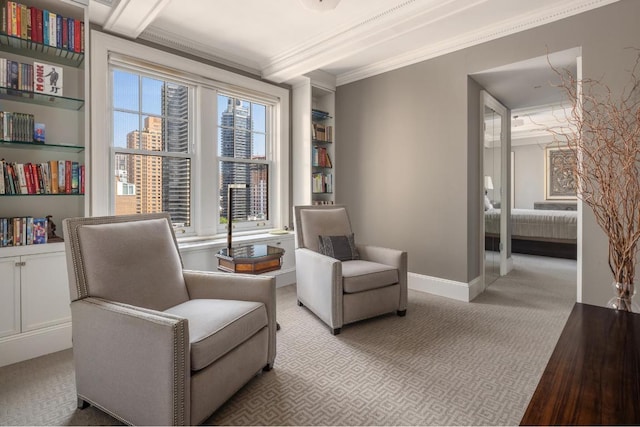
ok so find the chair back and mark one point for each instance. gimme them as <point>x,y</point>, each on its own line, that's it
<point>323,220</point>
<point>133,259</point>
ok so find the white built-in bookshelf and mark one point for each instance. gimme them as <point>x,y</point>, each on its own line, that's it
<point>314,139</point>
<point>34,294</point>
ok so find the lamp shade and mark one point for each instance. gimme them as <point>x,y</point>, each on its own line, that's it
<point>488,182</point>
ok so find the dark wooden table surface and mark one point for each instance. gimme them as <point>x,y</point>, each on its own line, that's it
<point>593,375</point>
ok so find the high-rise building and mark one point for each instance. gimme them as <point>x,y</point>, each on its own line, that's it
<point>235,137</point>
<point>176,173</point>
<point>145,172</point>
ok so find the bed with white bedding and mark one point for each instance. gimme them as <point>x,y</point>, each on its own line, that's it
<point>536,232</point>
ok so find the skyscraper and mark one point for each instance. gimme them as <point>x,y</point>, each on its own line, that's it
<point>235,137</point>
<point>145,172</point>
<point>176,173</point>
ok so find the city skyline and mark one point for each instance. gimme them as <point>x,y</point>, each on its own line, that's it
<point>147,183</point>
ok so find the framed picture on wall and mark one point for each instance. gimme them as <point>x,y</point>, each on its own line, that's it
<point>560,182</point>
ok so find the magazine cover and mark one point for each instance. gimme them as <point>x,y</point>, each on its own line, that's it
<point>47,78</point>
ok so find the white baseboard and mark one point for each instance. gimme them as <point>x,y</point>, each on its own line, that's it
<point>28,345</point>
<point>444,287</point>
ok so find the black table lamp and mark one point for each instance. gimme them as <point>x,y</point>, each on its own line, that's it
<point>230,189</point>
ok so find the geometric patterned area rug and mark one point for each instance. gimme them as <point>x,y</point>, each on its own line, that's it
<point>445,363</point>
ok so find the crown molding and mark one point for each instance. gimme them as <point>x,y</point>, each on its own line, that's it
<point>361,35</point>
<point>472,38</point>
<point>183,44</point>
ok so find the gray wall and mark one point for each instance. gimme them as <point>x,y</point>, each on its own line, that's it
<point>528,175</point>
<point>407,167</point>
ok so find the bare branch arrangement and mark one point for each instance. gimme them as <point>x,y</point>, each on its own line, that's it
<point>603,134</point>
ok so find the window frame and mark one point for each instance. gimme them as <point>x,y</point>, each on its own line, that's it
<point>269,149</point>
<point>190,154</point>
<point>106,48</point>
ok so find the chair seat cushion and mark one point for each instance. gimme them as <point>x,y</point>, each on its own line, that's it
<point>361,275</point>
<point>218,326</point>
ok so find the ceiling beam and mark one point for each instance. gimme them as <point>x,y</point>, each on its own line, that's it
<point>129,18</point>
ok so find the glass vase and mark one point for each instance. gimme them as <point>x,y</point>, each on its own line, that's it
<point>623,297</point>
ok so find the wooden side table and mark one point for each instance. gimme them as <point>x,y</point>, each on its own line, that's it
<point>251,259</point>
<point>593,375</point>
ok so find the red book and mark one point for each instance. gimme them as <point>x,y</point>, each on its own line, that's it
<point>37,173</point>
<point>36,178</point>
<point>39,26</point>
<point>67,176</point>
<point>76,34</point>
<point>81,179</point>
<point>65,33</point>
<point>28,174</point>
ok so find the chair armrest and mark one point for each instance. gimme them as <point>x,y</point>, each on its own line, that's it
<point>392,257</point>
<point>319,285</point>
<point>387,256</point>
<point>122,352</point>
<point>242,287</point>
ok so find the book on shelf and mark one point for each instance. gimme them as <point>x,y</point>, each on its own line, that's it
<point>53,167</point>
<point>22,179</point>
<point>39,231</point>
<point>12,74</point>
<point>75,178</point>
<point>21,231</point>
<point>42,26</point>
<point>41,178</point>
<point>39,132</point>
<point>82,178</point>
<point>320,132</point>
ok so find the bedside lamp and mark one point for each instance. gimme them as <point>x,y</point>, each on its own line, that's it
<point>488,182</point>
<point>230,189</point>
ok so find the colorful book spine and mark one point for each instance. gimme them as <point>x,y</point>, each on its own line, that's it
<point>45,27</point>
<point>75,178</point>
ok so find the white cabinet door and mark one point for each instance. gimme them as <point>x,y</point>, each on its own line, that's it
<point>45,291</point>
<point>288,244</point>
<point>9,296</point>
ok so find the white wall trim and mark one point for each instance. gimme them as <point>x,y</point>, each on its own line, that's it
<point>24,346</point>
<point>460,291</point>
<point>205,51</point>
<point>472,38</point>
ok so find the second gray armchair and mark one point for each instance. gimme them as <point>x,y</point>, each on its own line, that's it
<point>349,285</point>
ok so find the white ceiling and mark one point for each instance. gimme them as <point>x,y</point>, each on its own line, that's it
<point>281,40</point>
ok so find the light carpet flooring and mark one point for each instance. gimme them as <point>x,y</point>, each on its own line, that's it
<point>445,363</point>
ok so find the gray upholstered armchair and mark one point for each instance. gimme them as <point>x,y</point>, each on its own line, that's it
<point>341,292</point>
<point>153,343</point>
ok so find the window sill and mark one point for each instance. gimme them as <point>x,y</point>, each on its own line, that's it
<point>205,242</point>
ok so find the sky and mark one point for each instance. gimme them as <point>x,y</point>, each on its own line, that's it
<point>145,97</point>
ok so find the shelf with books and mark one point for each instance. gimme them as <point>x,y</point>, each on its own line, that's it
<point>313,134</point>
<point>63,177</point>
<point>41,146</point>
<point>40,51</point>
<point>41,99</point>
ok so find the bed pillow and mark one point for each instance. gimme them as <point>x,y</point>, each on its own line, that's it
<point>339,247</point>
<point>487,203</point>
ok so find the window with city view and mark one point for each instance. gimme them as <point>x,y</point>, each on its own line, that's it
<point>152,154</point>
<point>243,158</point>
